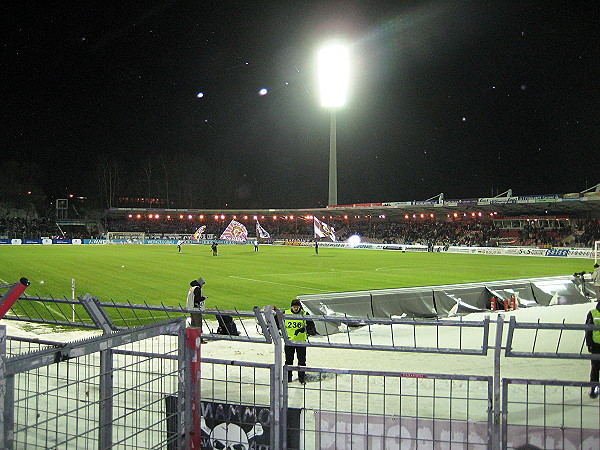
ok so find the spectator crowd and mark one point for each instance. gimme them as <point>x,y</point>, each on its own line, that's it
<point>475,232</point>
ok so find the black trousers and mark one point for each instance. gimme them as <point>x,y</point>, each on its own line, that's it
<point>595,370</point>
<point>289,359</point>
<point>196,319</point>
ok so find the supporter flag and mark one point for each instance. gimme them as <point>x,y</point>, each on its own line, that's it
<point>198,232</point>
<point>261,232</point>
<point>323,230</point>
<point>236,232</point>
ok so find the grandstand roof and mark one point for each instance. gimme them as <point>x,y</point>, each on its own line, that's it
<point>586,206</point>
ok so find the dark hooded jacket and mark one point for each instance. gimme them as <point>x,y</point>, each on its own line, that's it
<point>195,297</point>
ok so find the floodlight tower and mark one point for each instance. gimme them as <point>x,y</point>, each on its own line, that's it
<point>333,81</point>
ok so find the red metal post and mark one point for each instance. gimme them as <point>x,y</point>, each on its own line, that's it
<point>193,341</point>
<point>12,295</point>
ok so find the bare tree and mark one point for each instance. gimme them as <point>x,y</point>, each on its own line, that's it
<point>110,173</point>
<point>147,168</point>
<point>164,164</point>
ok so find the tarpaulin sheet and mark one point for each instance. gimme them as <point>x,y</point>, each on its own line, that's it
<point>554,292</point>
<point>465,301</point>
<point>442,301</point>
<point>393,302</point>
<point>476,297</point>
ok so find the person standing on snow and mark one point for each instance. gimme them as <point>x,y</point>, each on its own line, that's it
<point>297,330</point>
<point>592,340</point>
<point>195,300</point>
<point>596,281</point>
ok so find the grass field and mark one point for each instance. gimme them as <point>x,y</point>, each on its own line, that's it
<point>242,278</point>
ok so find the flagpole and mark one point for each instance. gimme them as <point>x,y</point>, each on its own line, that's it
<point>332,161</point>
<point>73,297</point>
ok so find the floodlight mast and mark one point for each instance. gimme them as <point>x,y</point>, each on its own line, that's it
<point>333,79</point>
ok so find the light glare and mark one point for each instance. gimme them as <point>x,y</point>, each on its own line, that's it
<point>354,240</point>
<point>334,68</point>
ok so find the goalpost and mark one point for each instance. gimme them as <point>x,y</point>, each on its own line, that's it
<point>596,250</point>
<point>125,237</point>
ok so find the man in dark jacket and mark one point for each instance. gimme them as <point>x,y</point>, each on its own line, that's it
<point>195,299</point>
<point>592,340</point>
<point>226,325</point>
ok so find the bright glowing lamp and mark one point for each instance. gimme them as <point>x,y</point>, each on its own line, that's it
<point>334,69</point>
<point>354,240</point>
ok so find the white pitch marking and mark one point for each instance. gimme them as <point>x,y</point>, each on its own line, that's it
<point>331,271</point>
<point>273,282</point>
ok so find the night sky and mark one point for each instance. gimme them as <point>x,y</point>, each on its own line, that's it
<point>466,98</point>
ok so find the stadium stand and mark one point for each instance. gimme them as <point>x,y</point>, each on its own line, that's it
<point>538,220</point>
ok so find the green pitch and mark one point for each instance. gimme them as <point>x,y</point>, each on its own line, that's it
<point>241,278</point>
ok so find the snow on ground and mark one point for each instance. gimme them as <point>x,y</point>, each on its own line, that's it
<point>433,363</point>
<point>404,361</point>
<point>474,410</point>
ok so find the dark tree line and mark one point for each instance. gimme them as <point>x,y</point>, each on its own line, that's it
<point>178,180</point>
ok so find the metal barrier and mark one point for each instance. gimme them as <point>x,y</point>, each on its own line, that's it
<point>91,393</point>
<point>130,387</point>
<point>379,410</point>
<point>549,414</point>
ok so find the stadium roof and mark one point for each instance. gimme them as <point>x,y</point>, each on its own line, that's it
<point>573,205</point>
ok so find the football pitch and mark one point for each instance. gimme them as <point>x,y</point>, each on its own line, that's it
<point>240,278</point>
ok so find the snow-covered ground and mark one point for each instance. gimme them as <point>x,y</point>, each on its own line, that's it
<point>407,362</point>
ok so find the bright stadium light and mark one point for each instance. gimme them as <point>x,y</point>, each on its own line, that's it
<point>354,240</point>
<point>333,75</point>
<point>334,70</point>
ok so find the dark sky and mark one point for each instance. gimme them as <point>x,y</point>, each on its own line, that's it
<point>466,98</point>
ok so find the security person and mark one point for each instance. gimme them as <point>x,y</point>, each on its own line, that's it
<point>596,281</point>
<point>297,330</point>
<point>592,340</point>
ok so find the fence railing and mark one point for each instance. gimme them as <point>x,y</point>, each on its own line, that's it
<point>130,386</point>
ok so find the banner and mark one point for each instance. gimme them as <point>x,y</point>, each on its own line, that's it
<point>236,232</point>
<point>198,232</point>
<point>261,232</point>
<point>235,425</point>
<point>323,230</point>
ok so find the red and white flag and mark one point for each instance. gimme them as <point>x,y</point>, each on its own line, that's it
<point>235,231</point>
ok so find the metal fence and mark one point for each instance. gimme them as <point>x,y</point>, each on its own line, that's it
<point>130,386</point>
<point>94,393</point>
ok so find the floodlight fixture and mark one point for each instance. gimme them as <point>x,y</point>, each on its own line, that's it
<point>334,68</point>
